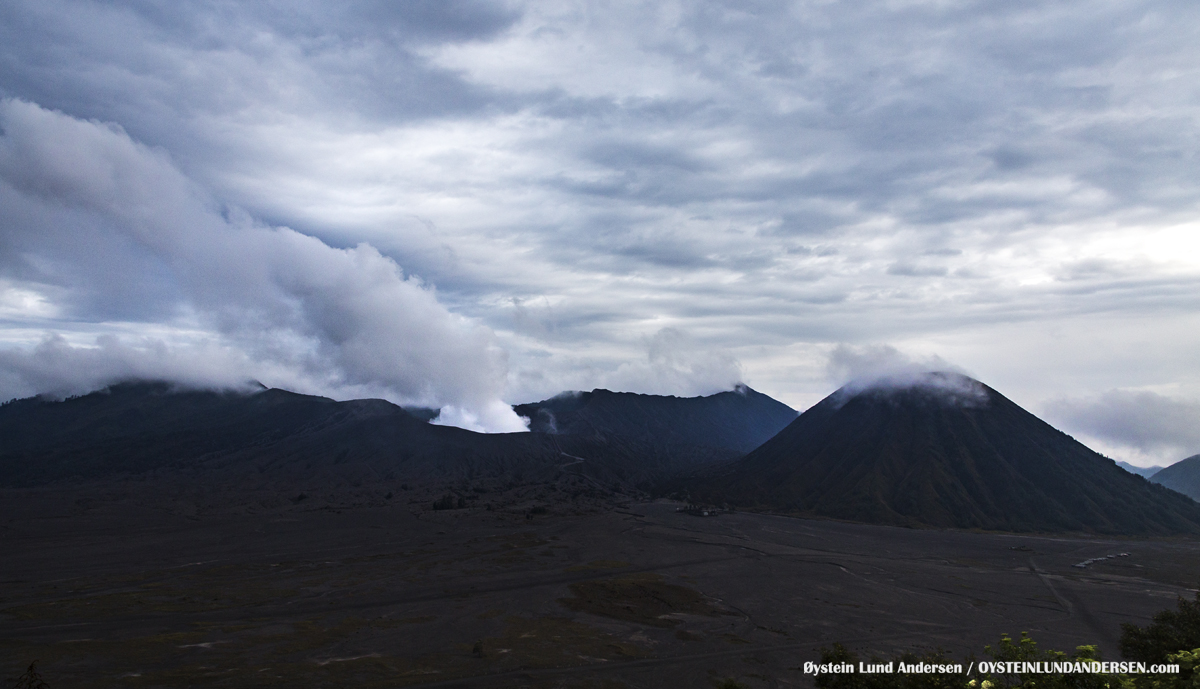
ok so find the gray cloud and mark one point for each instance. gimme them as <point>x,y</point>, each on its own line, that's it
<point>1156,427</point>
<point>773,178</point>
<point>677,364</point>
<point>848,363</point>
<point>343,319</point>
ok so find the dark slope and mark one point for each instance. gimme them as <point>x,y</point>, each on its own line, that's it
<point>1144,472</point>
<point>918,456</point>
<point>1182,476</point>
<point>136,427</point>
<point>739,420</point>
<point>237,439</point>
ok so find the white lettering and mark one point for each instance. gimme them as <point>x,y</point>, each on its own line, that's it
<point>811,668</point>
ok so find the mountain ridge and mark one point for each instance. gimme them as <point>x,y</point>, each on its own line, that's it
<point>738,420</point>
<point>1182,476</point>
<point>1144,472</point>
<point>139,428</point>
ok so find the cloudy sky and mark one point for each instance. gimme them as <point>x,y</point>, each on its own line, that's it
<point>463,203</point>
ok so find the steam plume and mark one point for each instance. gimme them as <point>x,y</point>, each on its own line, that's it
<point>103,235</point>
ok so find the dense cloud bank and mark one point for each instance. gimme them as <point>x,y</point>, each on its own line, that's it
<point>97,226</point>
<point>1011,185</point>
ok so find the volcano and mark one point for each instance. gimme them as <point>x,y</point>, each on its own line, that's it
<point>943,450</point>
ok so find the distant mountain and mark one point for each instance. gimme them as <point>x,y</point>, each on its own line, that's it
<point>285,438</point>
<point>739,420</point>
<point>1182,476</point>
<point>944,451</point>
<point>1145,472</point>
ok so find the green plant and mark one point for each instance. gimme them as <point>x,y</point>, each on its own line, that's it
<point>1171,632</point>
<point>1026,650</point>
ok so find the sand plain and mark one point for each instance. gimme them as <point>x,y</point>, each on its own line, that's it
<point>108,592</point>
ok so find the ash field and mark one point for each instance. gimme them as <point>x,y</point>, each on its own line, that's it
<point>633,595</point>
<point>442,558</point>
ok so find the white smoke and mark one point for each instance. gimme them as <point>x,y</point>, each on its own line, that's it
<point>884,368</point>
<point>491,417</point>
<point>57,368</point>
<point>102,234</point>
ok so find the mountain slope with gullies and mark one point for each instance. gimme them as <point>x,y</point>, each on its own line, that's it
<point>1182,476</point>
<point>738,420</point>
<point>943,450</point>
